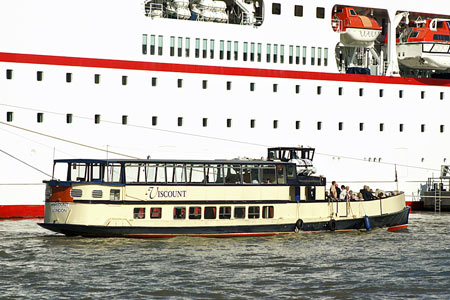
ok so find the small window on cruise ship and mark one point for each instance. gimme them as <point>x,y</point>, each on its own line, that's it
<point>187,47</point>
<point>144,44</point>
<point>304,55</point>
<point>422,95</point>
<point>297,89</point>
<point>275,53</point>
<point>298,11</point>
<point>252,123</point>
<point>239,212</point>
<point>205,48</point>
<point>69,118</point>
<point>252,86</point>
<point>124,120</point>
<point>236,50</point>
<point>276,8</point>
<point>400,93</point>
<point>225,212</point>
<point>139,213</point>
<point>40,117</point>
<point>340,91</point>
<point>152,44</point>
<point>281,54</point>
<point>319,90</point>
<point>381,126</point>
<point>361,126</point>
<point>197,48</point>
<point>320,12</point>
<point>275,87</point>
<point>441,128</point>
<point>97,78</point>
<point>9,116</point>
<point>210,212</point>
<point>68,77</point>
<point>361,92</point>
<point>400,127</point>
<point>297,125</point>
<point>381,93</point>
<point>313,55</point>
<point>222,49</point>
<point>291,54</point>
<point>211,49</point>
<point>319,125</point>
<point>39,75</point>
<point>268,46</point>
<point>422,128</point>
<point>228,50</point>
<point>252,51</point>
<point>319,56</point>
<point>124,80</point>
<point>245,51</point>
<point>155,212</point>
<point>179,212</point>
<point>297,55</point>
<point>341,126</point>
<point>195,212</point>
<point>325,57</point>
<point>267,212</point>
<point>253,212</point>
<point>9,74</point>
<point>180,121</point>
<point>154,120</point>
<point>180,83</point>
<point>442,95</point>
<point>259,53</point>
<point>205,122</point>
<point>180,46</point>
<point>204,84</point>
<point>160,45</point>
<point>275,124</point>
<point>228,123</point>
<point>153,81</point>
<point>97,119</point>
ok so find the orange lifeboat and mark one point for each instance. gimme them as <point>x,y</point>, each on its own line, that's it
<point>427,46</point>
<point>355,30</point>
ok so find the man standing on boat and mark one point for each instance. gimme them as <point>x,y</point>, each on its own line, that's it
<point>333,192</point>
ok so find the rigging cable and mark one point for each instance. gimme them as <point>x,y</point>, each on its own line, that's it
<point>25,163</point>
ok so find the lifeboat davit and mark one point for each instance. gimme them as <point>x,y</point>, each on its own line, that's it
<point>427,46</point>
<point>355,30</point>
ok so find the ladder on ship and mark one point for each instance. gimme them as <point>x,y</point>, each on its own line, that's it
<point>437,199</point>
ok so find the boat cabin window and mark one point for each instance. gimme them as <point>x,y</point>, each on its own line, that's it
<point>225,212</point>
<point>179,212</point>
<point>352,12</point>
<point>214,174</point>
<point>441,37</point>
<point>195,173</point>
<point>232,174</point>
<point>210,212</point>
<point>136,173</point>
<point>78,172</point>
<point>253,212</point>
<point>414,34</point>
<point>239,212</point>
<point>155,213</point>
<point>195,212</point>
<point>268,174</point>
<point>250,174</point>
<point>139,213</point>
<point>267,212</point>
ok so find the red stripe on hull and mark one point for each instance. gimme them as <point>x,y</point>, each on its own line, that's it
<point>21,211</point>
<point>215,70</point>
<point>394,228</point>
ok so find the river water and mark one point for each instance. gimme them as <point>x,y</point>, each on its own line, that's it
<point>409,264</point>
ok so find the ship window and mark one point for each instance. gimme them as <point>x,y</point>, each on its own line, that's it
<point>232,174</point>
<point>153,81</point>
<point>298,10</point>
<point>97,119</point>
<point>214,173</point>
<point>204,84</point>
<point>381,93</point>
<point>210,212</point>
<point>341,126</point>
<point>154,120</point>
<point>124,120</point>
<point>124,80</point>
<point>228,123</point>
<point>228,50</point>
<point>180,121</point>
<point>297,125</point>
<point>281,54</point>
<point>275,87</point>
<point>236,50</point>
<point>228,85</point>
<point>304,55</point>
<point>152,44</point>
<point>180,46</point>
<point>325,57</point>
<point>225,212</point>
<point>144,44</point>
<point>253,212</point>
<point>441,37</point>
<point>422,95</point>
<point>197,48</point>
<point>280,175</point>
<point>222,46</point>
<point>441,128</point>
<point>195,212</point>
<point>313,55</point>
<point>160,45</point>
<point>205,48</point>
<point>276,8</point>
<point>268,52</point>
<point>297,89</point>
<point>68,118</point>
<point>180,83</point>
<point>179,212</point>
<point>252,86</point>
<point>211,49</point>
<point>205,122</point>
<point>155,212</point>
<point>297,55</point>
<point>275,53</point>
<point>319,56</point>
<point>259,52</point>
<point>442,95</point>
<point>319,90</point>
<point>414,34</point>
<point>422,128</point>
<point>245,51</point>
<point>252,123</point>
<point>267,212</point>
<point>9,116</point>
<point>156,174</point>
<point>176,173</point>
<point>68,77</point>
<point>252,51</point>
<point>381,126</point>
<point>97,78</point>
<point>320,12</point>
<point>40,117</point>
<point>268,174</point>
<point>340,91</point>
<point>187,46</point>
<point>39,75</point>
<point>239,212</point>
<point>195,173</point>
<point>319,125</point>
<point>139,213</point>
<point>400,127</point>
<point>400,93</point>
<point>352,12</point>
<point>361,92</point>
<point>9,74</point>
<point>113,175</point>
<point>275,124</point>
<point>291,54</point>
<point>361,126</point>
<point>250,174</point>
<point>114,195</point>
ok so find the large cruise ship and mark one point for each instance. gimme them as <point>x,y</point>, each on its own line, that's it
<point>365,83</point>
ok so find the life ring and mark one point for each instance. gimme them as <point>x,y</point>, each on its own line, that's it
<point>299,224</point>
<point>332,225</point>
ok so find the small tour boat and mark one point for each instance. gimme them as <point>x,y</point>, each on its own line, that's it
<point>213,198</point>
<point>356,30</point>
<point>426,45</point>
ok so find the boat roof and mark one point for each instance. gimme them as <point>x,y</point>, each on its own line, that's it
<point>169,161</point>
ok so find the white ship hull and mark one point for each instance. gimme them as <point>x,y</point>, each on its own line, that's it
<point>86,38</point>
<point>433,56</point>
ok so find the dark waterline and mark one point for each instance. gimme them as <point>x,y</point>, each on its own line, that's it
<point>409,264</point>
